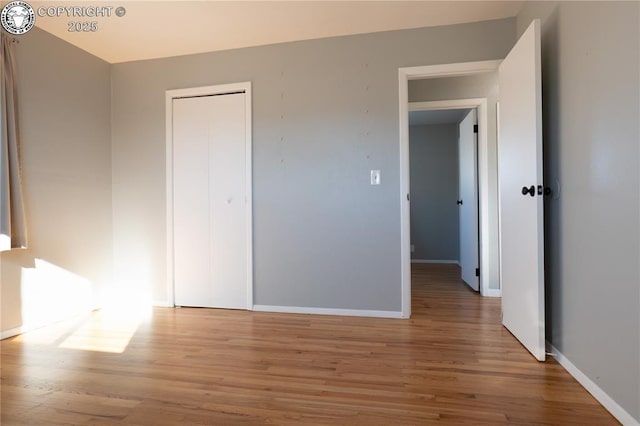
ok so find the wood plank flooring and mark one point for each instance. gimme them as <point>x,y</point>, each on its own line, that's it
<point>451,363</point>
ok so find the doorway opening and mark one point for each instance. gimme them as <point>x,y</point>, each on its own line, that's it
<point>488,254</point>
<point>444,187</point>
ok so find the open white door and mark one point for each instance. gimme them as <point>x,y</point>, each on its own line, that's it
<point>521,192</point>
<point>468,200</point>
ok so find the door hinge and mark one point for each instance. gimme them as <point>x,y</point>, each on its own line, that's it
<point>475,128</point>
<point>477,272</point>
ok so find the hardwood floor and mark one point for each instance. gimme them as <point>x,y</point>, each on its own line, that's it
<point>451,363</point>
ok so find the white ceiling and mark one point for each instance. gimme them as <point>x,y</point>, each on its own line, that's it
<point>155,29</point>
<point>444,116</point>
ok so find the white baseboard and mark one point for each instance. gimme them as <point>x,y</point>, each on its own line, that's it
<point>15,331</point>
<point>161,304</point>
<point>27,328</point>
<point>327,311</point>
<point>603,398</point>
<point>492,292</point>
<point>310,311</point>
<point>454,262</point>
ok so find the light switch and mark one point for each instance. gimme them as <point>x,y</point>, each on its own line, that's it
<point>375,177</point>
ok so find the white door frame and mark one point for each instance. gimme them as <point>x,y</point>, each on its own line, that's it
<point>436,71</point>
<point>170,95</point>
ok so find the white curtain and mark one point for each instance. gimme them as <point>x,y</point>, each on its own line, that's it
<point>13,232</point>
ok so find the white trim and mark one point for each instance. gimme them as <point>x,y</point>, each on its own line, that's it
<point>405,214</point>
<point>170,95</point>
<point>27,328</point>
<point>162,304</point>
<point>327,311</point>
<point>455,262</point>
<point>5,242</point>
<point>404,75</point>
<point>603,398</point>
<point>248,164</point>
<point>169,194</point>
<point>493,292</point>
<point>15,331</point>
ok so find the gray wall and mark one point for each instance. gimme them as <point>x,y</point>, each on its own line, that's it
<point>66,159</point>
<point>467,87</point>
<point>434,190</point>
<point>473,86</point>
<point>591,117</point>
<point>325,112</point>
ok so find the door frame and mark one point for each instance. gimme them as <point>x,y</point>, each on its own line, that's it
<point>222,89</point>
<point>437,71</point>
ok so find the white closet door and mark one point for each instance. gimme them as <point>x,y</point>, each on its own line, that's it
<point>210,223</point>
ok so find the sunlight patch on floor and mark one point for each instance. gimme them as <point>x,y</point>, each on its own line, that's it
<point>106,330</point>
<point>111,328</point>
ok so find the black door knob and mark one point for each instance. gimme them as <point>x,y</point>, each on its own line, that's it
<point>531,190</point>
<point>459,202</point>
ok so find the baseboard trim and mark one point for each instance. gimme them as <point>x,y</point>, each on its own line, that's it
<point>12,332</point>
<point>492,292</point>
<point>327,311</point>
<point>454,262</point>
<point>603,398</point>
<point>161,304</point>
<point>15,331</point>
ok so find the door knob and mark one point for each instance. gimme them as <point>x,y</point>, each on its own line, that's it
<point>531,190</point>
<point>459,202</point>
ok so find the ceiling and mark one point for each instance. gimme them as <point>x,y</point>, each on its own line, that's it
<point>443,116</point>
<point>156,29</point>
